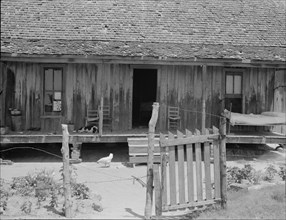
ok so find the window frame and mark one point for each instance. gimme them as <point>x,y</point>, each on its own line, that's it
<point>52,114</point>
<point>234,71</point>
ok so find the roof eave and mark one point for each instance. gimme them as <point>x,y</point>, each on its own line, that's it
<point>142,60</point>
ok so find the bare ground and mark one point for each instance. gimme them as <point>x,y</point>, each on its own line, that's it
<point>122,196</point>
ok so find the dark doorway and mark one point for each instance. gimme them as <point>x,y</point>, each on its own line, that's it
<point>144,94</point>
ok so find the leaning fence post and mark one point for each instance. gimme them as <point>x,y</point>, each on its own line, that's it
<point>66,172</point>
<point>151,143</point>
<point>223,161</point>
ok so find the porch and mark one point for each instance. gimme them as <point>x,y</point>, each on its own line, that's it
<point>241,137</point>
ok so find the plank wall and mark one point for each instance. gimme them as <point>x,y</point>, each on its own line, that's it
<point>177,86</point>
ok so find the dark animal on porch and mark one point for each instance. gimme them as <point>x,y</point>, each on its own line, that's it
<point>89,129</point>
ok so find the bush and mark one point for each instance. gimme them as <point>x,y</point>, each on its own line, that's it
<point>236,175</point>
<point>269,173</point>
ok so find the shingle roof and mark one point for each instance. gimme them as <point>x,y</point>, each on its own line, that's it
<point>245,29</point>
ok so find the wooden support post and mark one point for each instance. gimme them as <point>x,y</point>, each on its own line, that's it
<point>151,143</point>
<point>204,77</point>
<point>66,172</point>
<point>75,154</point>
<point>223,161</point>
<point>100,112</point>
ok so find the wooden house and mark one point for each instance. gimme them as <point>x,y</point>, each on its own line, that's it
<point>58,58</point>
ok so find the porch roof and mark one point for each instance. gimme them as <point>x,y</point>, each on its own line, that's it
<point>180,29</point>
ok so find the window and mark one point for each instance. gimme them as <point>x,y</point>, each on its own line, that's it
<point>233,91</point>
<point>53,90</point>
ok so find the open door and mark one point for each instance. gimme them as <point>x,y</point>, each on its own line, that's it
<point>144,94</point>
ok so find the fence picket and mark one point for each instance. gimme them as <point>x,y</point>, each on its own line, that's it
<point>163,172</point>
<point>207,171</point>
<point>158,196</point>
<point>181,170</point>
<point>199,169</point>
<point>216,169</point>
<point>172,172</point>
<point>190,169</point>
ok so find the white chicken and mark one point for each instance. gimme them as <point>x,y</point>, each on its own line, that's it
<point>106,160</point>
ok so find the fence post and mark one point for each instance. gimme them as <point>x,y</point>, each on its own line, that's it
<point>100,112</point>
<point>223,161</point>
<point>151,142</point>
<point>66,172</point>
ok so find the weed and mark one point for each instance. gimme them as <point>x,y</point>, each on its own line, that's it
<point>26,207</point>
<point>4,194</point>
<point>282,172</point>
<point>22,186</point>
<point>234,175</point>
<point>277,196</point>
<point>80,190</point>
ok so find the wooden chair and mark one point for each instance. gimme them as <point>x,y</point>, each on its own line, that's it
<point>92,117</point>
<point>174,119</point>
<point>107,119</point>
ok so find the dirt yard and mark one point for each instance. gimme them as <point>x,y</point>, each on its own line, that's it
<point>122,197</point>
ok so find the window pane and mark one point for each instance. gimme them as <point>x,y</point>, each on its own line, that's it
<point>58,79</point>
<point>48,79</point>
<point>229,84</point>
<point>237,84</point>
<point>48,101</point>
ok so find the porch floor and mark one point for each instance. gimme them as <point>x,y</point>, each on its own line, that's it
<point>121,137</point>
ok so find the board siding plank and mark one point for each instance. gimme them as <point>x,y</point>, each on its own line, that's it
<point>143,159</point>
<point>141,149</point>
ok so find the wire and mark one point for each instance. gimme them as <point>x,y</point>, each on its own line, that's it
<point>116,180</point>
<point>186,110</point>
<point>33,149</point>
<point>81,165</point>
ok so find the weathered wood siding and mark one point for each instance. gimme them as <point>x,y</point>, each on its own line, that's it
<point>258,90</point>
<point>181,86</point>
<point>280,97</point>
<point>87,83</point>
<point>84,84</point>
